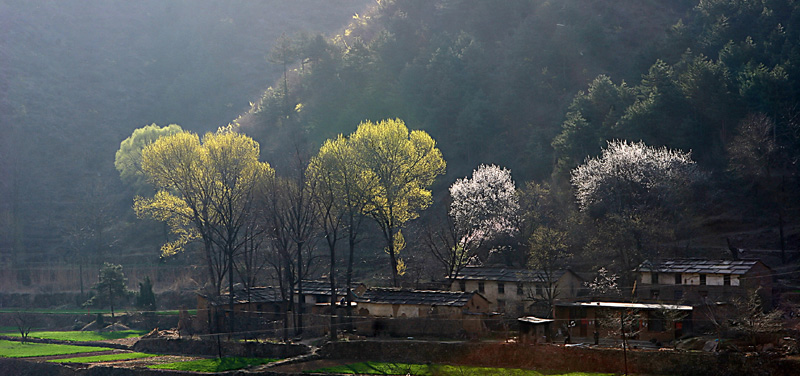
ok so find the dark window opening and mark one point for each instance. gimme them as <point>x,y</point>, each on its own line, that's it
<point>501,288</point>
<point>678,279</point>
<point>655,278</point>
<point>462,285</point>
<point>702,279</point>
<point>480,287</point>
<point>520,290</point>
<point>656,323</point>
<point>539,290</point>
<point>726,280</point>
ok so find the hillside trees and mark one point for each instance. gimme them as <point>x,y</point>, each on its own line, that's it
<point>341,197</point>
<point>403,166</point>
<point>128,159</point>
<point>206,192</point>
<point>635,195</point>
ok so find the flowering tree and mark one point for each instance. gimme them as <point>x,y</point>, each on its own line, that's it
<point>632,176</point>
<point>634,193</point>
<point>482,208</point>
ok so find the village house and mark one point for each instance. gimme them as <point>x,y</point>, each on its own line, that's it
<point>261,305</point>
<point>698,282</point>
<point>649,321</point>
<point>513,292</point>
<point>404,312</point>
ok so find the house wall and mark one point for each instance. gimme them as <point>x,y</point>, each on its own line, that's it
<point>511,300</point>
<point>587,319</point>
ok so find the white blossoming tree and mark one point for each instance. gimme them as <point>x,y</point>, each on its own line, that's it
<point>482,208</point>
<point>635,194</point>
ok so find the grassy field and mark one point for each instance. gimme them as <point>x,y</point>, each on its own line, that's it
<point>103,358</point>
<point>14,349</point>
<point>379,368</point>
<point>214,365</point>
<point>81,336</point>
<point>92,311</point>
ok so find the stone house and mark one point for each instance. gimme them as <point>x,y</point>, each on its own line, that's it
<point>697,282</point>
<point>517,292</point>
<point>265,304</point>
<point>656,322</point>
<point>404,312</point>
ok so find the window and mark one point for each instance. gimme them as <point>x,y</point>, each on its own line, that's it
<point>656,323</point>
<point>654,294</point>
<point>520,290</point>
<point>501,305</point>
<point>702,279</point>
<point>501,288</point>
<point>678,278</point>
<point>539,290</point>
<point>726,280</point>
<point>480,287</point>
<point>462,285</point>
<point>654,279</point>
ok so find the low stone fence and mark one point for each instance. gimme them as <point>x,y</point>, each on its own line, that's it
<point>210,348</point>
<point>557,357</point>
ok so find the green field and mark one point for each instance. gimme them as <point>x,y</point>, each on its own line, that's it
<point>92,311</point>
<point>81,336</point>
<point>379,368</point>
<point>103,358</point>
<point>214,365</point>
<point>14,349</point>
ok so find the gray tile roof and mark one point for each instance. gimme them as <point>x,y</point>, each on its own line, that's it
<point>321,288</point>
<point>475,273</point>
<point>257,295</point>
<point>416,297</point>
<point>737,267</point>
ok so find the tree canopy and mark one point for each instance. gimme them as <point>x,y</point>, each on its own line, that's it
<point>403,165</point>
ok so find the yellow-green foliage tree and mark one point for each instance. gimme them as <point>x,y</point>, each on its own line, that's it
<point>340,198</point>
<point>402,165</point>
<point>206,191</point>
<point>128,159</point>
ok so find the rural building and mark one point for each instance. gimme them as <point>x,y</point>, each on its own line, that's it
<point>262,305</point>
<point>651,321</point>
<point>514,291</point>
<point>698,282</point>
<point>533,330</point>
<point>252,308</point>
<point>404,312</point>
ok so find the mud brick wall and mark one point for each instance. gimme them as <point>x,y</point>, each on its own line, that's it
<point>209,348</point>
<point>555,357</point>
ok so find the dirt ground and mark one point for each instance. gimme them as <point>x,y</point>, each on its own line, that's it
<point>310,365</point>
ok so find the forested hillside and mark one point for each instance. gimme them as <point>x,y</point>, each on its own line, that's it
<point>539,86</point>
<point>533,86</point>
<point>77,77</point>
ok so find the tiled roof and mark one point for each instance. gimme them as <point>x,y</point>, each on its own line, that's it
<point>416,297</point>
<point>321,288</point>
<point>737,267</point>
<point>627,305</point>
<point>475,273</point>
<point>257,295</point>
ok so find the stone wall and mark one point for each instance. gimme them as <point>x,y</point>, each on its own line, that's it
<point>567,359</point>
<point>18,367</point>
<point>209,348</point>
